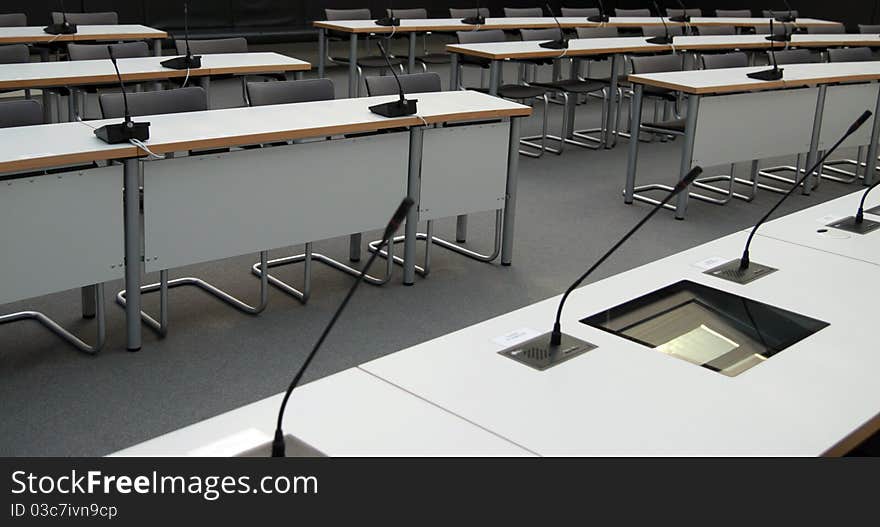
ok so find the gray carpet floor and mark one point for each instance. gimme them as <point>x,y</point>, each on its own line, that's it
<point>58,402</point>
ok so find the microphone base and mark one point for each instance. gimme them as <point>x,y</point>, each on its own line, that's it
<point>115,134</point>
<point>539,354</point>
<point>555,44</point>
<point>399,108</point>
<point>662,41</point>
<point>773,74</point>
<point>731,272</point>
<point>680,19</point>
<point>64,28</point>
<point>778,38</point>
<point>850,225</point>
<point>186,62</point>
<point>388,21</point>
<point>598,19</point>
<point>474,20</point>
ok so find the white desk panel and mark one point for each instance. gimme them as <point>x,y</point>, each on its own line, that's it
<point>625,399</point>
<point>843,104</point>
<point>350,413</point>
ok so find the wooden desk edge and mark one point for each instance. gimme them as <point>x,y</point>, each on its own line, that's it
<point>552,54</point>
<point>326,24</point>
<point>751,86</point>
<point>845,445</point>
<point>54,161</point>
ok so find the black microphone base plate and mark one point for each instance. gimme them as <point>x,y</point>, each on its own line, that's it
<point>539,354</point>
<point>662,41</point>
<point>779,38</point>
<point>554,44</point>
<point>731,272</point>
<point>396,109</point>
<point>773,74</point>
<point>191,62</point>
<point>64,28</point>
<point>474,20</point>
<point>598,19</point>
<point>850,225</point>
<point>388,21</point>
<point>115,134</point>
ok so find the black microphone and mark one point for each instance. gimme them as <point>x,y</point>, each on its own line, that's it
<point>664,40</point>
<point>740,271</point>
<point>561,42</point>
<point>188,61</point>
<point>602,17</point>
<point>278,447</point>
<point>390,19</point>
<point>784,37</point>
<point>397,108</point>
<point>477,19</point>
<point>684,17</point>
<point>789,17</point>
<point>774,73</point>
<point>64,28</point>
<point>858,224</point>
<point>127,130</point>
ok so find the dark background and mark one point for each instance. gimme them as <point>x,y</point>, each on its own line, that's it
<point>242,15</point>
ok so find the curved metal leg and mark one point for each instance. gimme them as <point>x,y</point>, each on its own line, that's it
<point>161,326</point>
<point>70,338</point>
<point>704,183</point>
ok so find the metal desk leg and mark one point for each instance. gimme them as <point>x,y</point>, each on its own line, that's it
<point>610,119</point>
<point>494,77</point>
<point>157,47</point>
<point>510,202</point>
<point>414,176</point>
<point>813,155</point>
<point>453,72</point>
<point>871,161</point>
<point>205,82</point>
<point>572,106</point>
<point>461,228</point>
<point>89,301</point>
<point>635,126</point>
<point>354,247</point>
<point>132,228</point>
<point>411,62</point>
<point>322,51</point>
<point>352,65</point>
<point>687,151</point>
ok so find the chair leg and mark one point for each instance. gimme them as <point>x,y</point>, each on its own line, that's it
<point>529,140</point>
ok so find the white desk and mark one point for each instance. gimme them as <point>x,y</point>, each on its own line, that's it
<point>802,228</point>
<point>351,414</point>
<point>85,33</point>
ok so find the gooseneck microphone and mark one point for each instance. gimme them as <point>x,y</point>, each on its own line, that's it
<point>278,447</point>
<point>602,17</point>
<point>860,215</point>
<point>127,130</point>
<point>858,224</point>
<point>64,28</point>
<point>390,19</point>
<point>476,20</point>
<point>556,334</point>
<point>739,270</point>
<point>774,73</point>
<point>666,39</point>
<point>684,17</point>
<point>188,61</point>
<point>399,108</point>
<point>561,42</point>
<point>784,37</point>
<point>788,17</point>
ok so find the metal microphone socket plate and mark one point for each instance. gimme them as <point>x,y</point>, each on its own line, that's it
<point>731,272</point>
<point>537,353</point>
<point>849,225</point>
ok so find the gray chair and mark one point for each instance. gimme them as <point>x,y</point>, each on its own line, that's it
<point>15,113</point>
<point>836,29</point>
<point>581,12</point>
<point>632,12</point>
<point>523,12</point>
<point>75,52</point>
<point>733,13</point>
<point>869,28</point>
<point>468,12</point>
<point>850,55</point>
<point>796,56</point>
<point>425,58</point>
<point>13,20</point>
<point>772,13</point>
<point>716,30</point>
<point>684,12</point>
<point>412,83</point>
<point>597,32</point>
<point>659,31</point>
<point>369,62</point>
<point>108,18</point>
<point>736,59</point>
<point>14,54</point>
<point>176,101</point>
<point>477,37</point>
<point>288,92</point>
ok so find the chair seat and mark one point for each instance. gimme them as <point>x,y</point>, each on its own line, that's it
<point>518,91</point>
<point>674,125</point>
<point>573,86</point>
<point>660,93</point>
<point>370,62</point>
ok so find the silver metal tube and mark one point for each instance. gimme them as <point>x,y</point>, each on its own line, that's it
<point>510,201</point>
<point>633,159</point>
<point>132,229</point>
<point>687,151</point>
<point>416,136</point>
<point>813,155</point>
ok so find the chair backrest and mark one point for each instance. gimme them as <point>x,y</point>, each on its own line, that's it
<point>682,12</point>
<point>797,56</point>
<point>214,46</point>
<point>836,29</point>
<point>403,14</point>
<point>468,11</point>
<point>717,30</point>
<point>632,12</point>
<point>656,31</point>
<point>24,112</point>
<point>523,12</point>
<point>180,100</point>
<point>87,19</point>
<point>477,37</point>
<point>736,59</point>
<point>850,55</point>
<point>581,11</point>
<point>657,63</point>
<point>733,13</point>
<point>348,14</point>
<point>15,54</point>
<point>412,83</point>
<point>286,92</point>
<point>778,29</point>
<point>125,50</point>
<point>13,20</point>
<point>869,28</point>
<point>550,33</point>
<point>597,32</point>
<point>771,13</point>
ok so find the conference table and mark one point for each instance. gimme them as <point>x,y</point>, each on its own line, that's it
<point>618,47</point>
<point>288,185</point>
<point>412,27</point>
<point>817,397</point>
<point>85,33</point>
<point>828,99</point>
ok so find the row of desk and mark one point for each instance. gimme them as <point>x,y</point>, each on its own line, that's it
<point>456,396</point>
<point>85,33</point>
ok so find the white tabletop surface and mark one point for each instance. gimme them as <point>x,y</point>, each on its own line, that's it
<point>83,32</point>
<point>86,71</point>
<point>802,228</point>
<point>625,399</point>
<point>351,413</point>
